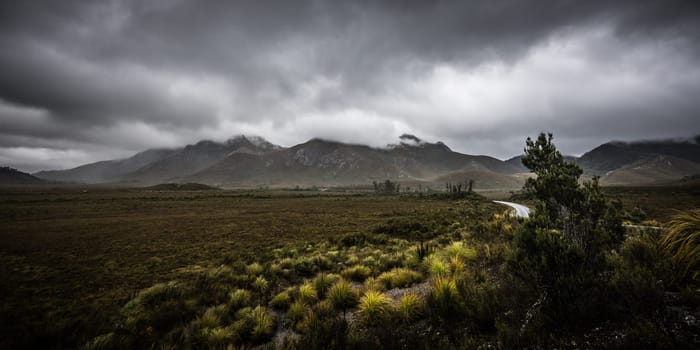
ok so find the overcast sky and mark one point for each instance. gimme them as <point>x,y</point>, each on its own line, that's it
<point>82,81</point>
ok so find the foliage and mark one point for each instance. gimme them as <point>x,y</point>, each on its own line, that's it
<point>213,291</point>
<point>560,253</point>
<point>342,295</point>
<point>409,307</point>
<point>636,271</point>
<point>357,273</point>
<point>323,282</point>
<point>399,278</point>
<point>374,308</point>
<point>443,298</point>
<point>387,187</point>
<point>240,298</point>
<point>682,242</point>
<point>307,293</point>
<point>282,300</point>
<point>263,324</point>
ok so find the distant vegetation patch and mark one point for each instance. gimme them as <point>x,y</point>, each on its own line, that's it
<point>190,186</point>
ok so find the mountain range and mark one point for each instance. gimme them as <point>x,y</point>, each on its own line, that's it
<point>248,161</point>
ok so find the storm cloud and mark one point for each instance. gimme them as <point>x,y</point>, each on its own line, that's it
<point>82,81</point>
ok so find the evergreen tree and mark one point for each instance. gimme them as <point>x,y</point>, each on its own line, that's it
<point>559,253</point>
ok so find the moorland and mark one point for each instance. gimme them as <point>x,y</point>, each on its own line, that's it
<point>100,267</point>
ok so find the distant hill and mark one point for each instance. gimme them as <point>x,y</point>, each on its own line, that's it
<point>10,176</point>
<point>105,171</point>
<point>322,162</point>
<point>687,181</point>
<point>246,161</point>
<point>194,158</point>
<point>159,165</point>
<point>660,169</point>
<point>616,155</point>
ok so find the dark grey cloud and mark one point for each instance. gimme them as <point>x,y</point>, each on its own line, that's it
<point>87,80</point>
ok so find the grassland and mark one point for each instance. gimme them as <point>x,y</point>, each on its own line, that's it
<point>70,259</point>
<point>76,264</point>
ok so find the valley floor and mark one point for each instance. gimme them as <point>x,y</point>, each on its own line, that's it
<point>74,263</point>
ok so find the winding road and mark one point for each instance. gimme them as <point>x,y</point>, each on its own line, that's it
<point>521,211</point>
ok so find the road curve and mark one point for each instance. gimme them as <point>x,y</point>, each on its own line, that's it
<point>521,211</point>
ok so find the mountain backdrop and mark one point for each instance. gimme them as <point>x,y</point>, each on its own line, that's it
<point>245,161</point>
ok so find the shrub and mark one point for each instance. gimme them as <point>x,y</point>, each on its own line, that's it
<point>682,243</point>
<point>254,269</point>
<point>157,308</point>
<point>374,308</point>
<point>443,298</point>
<point>436,266</point>
<point>423,250</point>
<point>456,265</point>
<point>282,300</point>
<point>260,285</point>
<point>638,272</point>
<point>459,251</point>
<point>322,282</point>
<point>219,337</point>
<point>342,296</point>
<point>263,324</point>
<point>305,267</point>
<point>296,312</point>
<point>409,307</point>
<point>307,293</point>
<point>239,298</point>
<point>399,278</point>
<point>357,273</point>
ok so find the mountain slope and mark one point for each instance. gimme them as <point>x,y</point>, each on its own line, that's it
<point>654,170</point>
<point>10,176</point>
<point>322,162</point>
<point>105,171</point>
<point>615,155</point>
<point>194,158</point>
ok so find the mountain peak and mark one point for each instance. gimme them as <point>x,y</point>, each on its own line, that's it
<point>257,141</point>
<point>408,138</point>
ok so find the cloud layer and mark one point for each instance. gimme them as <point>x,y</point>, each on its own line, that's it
<point>85,81</point>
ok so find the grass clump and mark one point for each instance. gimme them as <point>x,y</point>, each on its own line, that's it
<point>254,269</point>
<point>307,293</point>
<point>263,324</point>
<point>357,273</point>
<point>682,243</point>
<point>443,298</point>
<point>296,313</point>
<point>436,265</point>
<point>240,298</point>
<point>282,300</point>
<point>399,278</point>
<point>409,307</point>
<point>342,296</point>
<point>459,251</point>
<point>374,308</point>
<point>323,282</point>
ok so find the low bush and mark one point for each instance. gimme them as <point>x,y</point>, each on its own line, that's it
<point>357,273</point>
<point>342,296</point>
<point>399,278</point>
<point>443,298</point>
<point>409,307</point>
<point>374,308</point>
<point>307,293</point>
